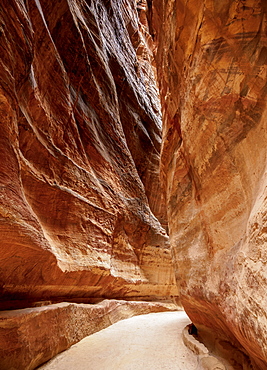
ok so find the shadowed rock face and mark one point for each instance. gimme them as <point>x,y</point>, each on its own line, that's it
<point>81,210</point>
<point>79,145</point>
<point>212,60</point>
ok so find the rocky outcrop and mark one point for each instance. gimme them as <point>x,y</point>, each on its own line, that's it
<point>212,70</point>
<point>214,353</point>
<point>31,336</point>
<point>79,144</point>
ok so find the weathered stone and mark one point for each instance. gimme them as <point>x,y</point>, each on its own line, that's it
<point>31,336</point>
<point>212,72</point>
<point>82,214</point>
<point>79,151</point>
<point>143,342</point>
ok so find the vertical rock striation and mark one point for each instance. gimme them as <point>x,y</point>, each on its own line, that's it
<point>79,144</point>
<point>212,60</point>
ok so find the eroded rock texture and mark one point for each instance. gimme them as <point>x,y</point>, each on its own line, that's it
<point>212,60</point>
<point>79,146</point>
<point>31,336</point>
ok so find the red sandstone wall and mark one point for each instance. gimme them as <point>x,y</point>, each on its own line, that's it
<point>212,63</point>
<point>79,146</point>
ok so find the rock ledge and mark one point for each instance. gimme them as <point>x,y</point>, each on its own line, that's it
<point>32,336</point>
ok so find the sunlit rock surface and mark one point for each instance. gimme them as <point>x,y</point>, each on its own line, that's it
<point>79,150</point>
<point>212,59</point>
<point>82,213</point>
<point>31,336</point>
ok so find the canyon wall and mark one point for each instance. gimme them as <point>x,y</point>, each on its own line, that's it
<point>82,214</point>
<point>212,60</point>
<point>81,210</point>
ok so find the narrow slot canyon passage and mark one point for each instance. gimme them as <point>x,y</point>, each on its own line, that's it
<point>133,180</point>
<point>151,341</point>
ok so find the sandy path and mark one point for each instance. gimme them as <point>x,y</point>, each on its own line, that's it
<point>147,342</point>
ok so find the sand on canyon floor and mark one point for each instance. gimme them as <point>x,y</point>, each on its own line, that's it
<point>151,341</point>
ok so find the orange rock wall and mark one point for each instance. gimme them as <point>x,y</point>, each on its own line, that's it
<point>212,65</point>
<point>81,210</point>
<point>79,153</point>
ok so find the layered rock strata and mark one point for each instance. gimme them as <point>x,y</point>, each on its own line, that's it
<point>79,151</point>
<point>32,336</point>
<point>212,59</point>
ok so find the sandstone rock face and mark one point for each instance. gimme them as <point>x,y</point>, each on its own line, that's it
<point>31,336</point>
<point>79,144</point>
<point>212,60</point>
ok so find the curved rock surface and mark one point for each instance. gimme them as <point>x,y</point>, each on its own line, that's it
<point>81,211</point>
<point>79,151</point>
<point>212,62</point>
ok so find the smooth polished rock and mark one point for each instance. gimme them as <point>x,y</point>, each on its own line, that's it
<point>212,65</point>
<point>81,209</point>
